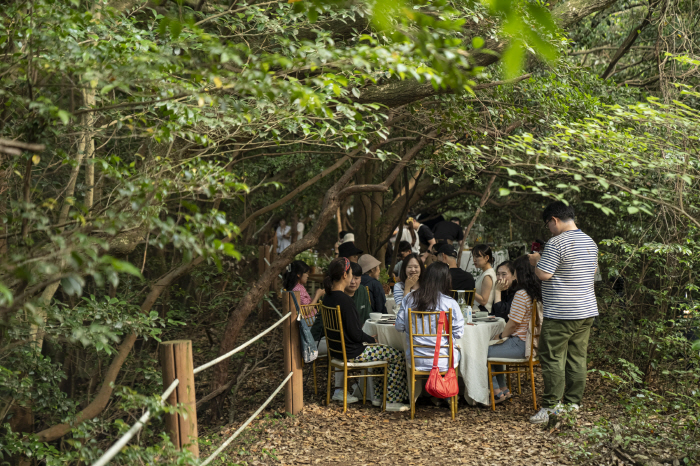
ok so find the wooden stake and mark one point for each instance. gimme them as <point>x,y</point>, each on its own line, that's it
<point>176,363</point>
<point>294,390</point>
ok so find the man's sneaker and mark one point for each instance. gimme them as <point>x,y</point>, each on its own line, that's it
<point>338,396</point>
<point>376,402</point>
<point>542,416</point>
<point>397,407</point>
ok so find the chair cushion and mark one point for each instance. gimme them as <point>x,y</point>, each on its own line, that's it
<point>338,362</point>
<point>511,361</point>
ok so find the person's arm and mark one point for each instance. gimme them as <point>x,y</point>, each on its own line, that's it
<point>517,313</point>
<point>398,295</point>
<point>547,263</point>
<point>457,320</point>
<point>352,327</point>
<point>460,236</point>
<point>319,294</point>
<point>483,297</point>
<point>401,316</point>
<point>431,242</point>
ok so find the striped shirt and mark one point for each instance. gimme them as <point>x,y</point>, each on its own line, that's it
<point>572,258</point>
<point>521,313</point>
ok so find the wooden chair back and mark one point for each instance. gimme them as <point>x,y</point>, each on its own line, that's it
<point>309,312</point>
<point>534,329</point>
<point>333,329</point>
<point>418,322</point>
<point>468,296</point>
<point>369,296</point>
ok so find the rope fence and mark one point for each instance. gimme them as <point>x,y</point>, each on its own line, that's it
<point>293,402</point>
<point>248,421</point>
<point>114,449</point>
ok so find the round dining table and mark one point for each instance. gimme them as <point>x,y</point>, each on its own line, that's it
<point>473,347</point>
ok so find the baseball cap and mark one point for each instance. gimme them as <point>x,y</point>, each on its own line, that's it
<point>447,249</point>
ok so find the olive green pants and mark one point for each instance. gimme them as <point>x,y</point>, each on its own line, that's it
<point>562,351</point>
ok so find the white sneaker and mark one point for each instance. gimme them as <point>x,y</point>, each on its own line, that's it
<point>376,402</point>
<point>542,416</point>
<point>397,407</point>
<point>338,396</point>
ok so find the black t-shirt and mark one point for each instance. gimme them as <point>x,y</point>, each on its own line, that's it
<point>462,280</point>
<point>352,329</point>
<point>424,234</point>
<point>448,230</point>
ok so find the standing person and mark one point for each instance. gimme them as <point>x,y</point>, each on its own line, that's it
<point>425,235</point>
<point>528,288</point>
<point>295,278</point>
<point>450,232</point>
<point>360,347</point>
<point>461,279</point>
<point>284,236</point>
<point>370,274</point>
<point>505,290</point>
<point>410,272</point>
<point>567,269</point>
<point>408,234</point>
<point>485,284</point>
<point>349,250</point>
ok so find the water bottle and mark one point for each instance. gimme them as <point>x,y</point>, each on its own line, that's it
<point>469,315</point>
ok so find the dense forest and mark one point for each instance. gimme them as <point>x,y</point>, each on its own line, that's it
<point>148,149</point>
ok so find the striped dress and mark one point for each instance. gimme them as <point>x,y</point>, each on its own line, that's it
<point>572,258</point>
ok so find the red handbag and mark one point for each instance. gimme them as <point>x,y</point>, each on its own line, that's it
<point>438,386</point>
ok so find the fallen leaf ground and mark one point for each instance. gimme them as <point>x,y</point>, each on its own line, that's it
<point>366,436</point>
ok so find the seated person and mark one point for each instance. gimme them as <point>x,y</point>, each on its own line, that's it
<point>410,272</point>
<point>404,250</point>
<point>461,279</point>
<point>450,232</point>
<point>433,295</point>
<point>505,290</point>
<point>359,295</point>
<point>360,347</point>
<point>370,274</point>
<point>295,278</point>
<point>515,332</point>
<point>486,283</point>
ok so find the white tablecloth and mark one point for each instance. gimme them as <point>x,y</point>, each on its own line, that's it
<point>467,263</point>
<point>474,346</point>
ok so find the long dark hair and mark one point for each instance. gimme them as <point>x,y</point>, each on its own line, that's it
<point>527,279</point>
<point>334,273</point>
<point>483,250</point>
<point>293,273</point>
<point>435,280</point>
<point>507,264</point>
<point>402,274</point>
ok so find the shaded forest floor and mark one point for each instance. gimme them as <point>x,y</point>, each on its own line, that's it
<point>364,435</point>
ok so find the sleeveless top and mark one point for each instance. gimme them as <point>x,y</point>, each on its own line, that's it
<point>489,273</point>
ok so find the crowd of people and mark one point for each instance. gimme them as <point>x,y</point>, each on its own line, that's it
<point>426,274</point>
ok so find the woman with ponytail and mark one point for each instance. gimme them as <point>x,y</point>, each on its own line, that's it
<point>295,278</point>
<point>360,347</point>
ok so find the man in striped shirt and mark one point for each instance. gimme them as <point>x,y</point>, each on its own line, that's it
<point>567,268</point>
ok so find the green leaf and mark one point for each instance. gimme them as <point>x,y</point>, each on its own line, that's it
<point>7,294</point>
<point>477,42</point>
<point>64,116</point>
<point>513,59</point>
<point>632,209</point>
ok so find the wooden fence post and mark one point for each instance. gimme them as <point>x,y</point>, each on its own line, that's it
<point>294,390</point>
<point>176,361</point>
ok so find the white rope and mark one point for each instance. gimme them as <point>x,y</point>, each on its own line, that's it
<point>273,307</point>
<point>245,424</point>
<point>235,350</point>
<point>116,448</point>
